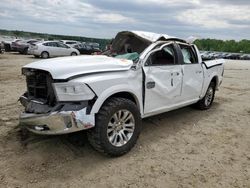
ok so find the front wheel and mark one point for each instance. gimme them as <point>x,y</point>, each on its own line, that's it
<point>206,102</point>
<point>118,125</point>
<point>73,54</point>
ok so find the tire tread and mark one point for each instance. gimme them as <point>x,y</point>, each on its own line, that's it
<point>94,135</point>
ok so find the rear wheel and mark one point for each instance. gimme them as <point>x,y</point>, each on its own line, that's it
<point>73,54</point>
<point>118,125</point>
<point>45,55</point>
<point>25,51</point>
<point>207,101</point>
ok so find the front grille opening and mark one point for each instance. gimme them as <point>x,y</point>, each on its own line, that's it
<point>39,86</point>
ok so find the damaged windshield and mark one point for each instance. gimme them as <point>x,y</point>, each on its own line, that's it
<point>127,45</point>
<point>129,56</point>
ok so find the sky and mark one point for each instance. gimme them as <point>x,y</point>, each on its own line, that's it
<point>221,19</point>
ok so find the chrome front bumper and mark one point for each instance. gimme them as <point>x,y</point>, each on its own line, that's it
<point>57,122</point>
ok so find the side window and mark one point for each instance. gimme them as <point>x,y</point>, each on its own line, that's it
<point>70,42</point>
<point>165,56</point>
<point>88,47</point>
<point>61,45</point>
<point>188,54</point>
<point>51,44</point>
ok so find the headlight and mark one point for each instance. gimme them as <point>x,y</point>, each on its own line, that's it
<point>73,91</point>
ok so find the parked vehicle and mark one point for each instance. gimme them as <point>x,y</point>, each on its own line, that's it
<point>245,57</point>
<point>6,45</point>
<point>23,45</point>
<point>52,49</point>
<point>93,45</point>
<point>70,42</point>
<point>14,45</point>
<point>150,74</point>
<point>2,50</point>
<point>86,49</point>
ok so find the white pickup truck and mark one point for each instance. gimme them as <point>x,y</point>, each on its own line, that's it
<point>143,74</point>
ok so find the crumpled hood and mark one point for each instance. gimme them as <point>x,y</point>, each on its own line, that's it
<point>66,67</point>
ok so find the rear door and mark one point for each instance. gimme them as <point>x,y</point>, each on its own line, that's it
<point>163,79</point>
<point>192,73</point>
<point>51,47</point>
<point>63,49</point>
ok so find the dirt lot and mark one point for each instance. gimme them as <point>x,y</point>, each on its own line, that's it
<point>183,148</point>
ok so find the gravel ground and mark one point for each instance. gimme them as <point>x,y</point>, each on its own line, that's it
<point>182,148</point>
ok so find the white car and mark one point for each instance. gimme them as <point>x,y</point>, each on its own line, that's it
<point>109,95</point>
<point>70,42</point>
<point>51,49</point>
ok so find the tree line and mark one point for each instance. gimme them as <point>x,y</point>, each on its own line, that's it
<point>242,46</point>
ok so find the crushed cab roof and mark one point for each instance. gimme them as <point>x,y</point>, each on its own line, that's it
<point>138,40</point>
<point>150,36</point>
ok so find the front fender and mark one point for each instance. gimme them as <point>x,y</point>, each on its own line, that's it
<point>117,89</point>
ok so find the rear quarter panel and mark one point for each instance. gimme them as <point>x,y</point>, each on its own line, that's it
<point>212,69</point>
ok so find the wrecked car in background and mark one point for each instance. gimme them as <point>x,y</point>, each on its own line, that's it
<point>22,46</point>
<point>145,74</point>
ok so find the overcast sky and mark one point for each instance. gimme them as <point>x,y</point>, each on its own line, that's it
<point>225,19</point>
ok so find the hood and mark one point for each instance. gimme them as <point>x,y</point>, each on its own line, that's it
<point>66,67</point>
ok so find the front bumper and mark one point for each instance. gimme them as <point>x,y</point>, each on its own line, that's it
<point>55,123</point>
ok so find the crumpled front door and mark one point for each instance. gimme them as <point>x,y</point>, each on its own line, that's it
<point>162,87</point>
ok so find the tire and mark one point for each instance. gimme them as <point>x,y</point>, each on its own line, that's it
<point>45,55</point>
<point>104,136</point>
<point>73,54</point>
<point>25,51</point>
<point>207,101</point>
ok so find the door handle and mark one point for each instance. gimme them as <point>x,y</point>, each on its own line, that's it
<point>198,72</point>
<point>150,85</point>
<point>175,73</point>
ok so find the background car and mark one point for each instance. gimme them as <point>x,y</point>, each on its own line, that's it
<point>86,49</point>
<point>2,47</point>
<point>245,57</point>
<point>70,42</point>
<point>23,45</point>
<point>94,45</point>
<point>14,44</point>
<point>51,49</point>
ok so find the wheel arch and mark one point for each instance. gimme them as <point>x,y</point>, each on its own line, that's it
<point>215,79</point>
<point>121,94</point>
